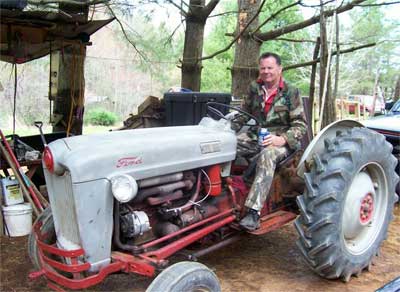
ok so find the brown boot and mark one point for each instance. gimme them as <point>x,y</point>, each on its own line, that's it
<point>251,221</point>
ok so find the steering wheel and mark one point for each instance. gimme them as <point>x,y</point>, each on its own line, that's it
<point>211,107</point>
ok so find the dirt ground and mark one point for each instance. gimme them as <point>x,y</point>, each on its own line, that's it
<point>265,263</point>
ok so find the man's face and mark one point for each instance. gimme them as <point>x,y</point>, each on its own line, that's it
<point>270,71</point>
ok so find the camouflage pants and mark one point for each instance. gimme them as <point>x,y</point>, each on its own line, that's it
<point>266,163</point>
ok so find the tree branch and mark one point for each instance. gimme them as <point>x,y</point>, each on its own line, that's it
<point>206,11</point>
<point>125,34</point>
<point>300,25</point>
<point>237,36</point>
<point>70,2</point>
<point>379,4</point>
<point>223,13</point>
<point>169,39</point>
<point>315,61</point>
<point>276,14</point>
<point>312,41</point>
<point>316,5</point>
<point>184,13</point>
<point>294,40</point>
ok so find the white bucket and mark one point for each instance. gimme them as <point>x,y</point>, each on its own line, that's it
<point>18,219</point>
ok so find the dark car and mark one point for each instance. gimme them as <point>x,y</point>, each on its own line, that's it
<point>389,125</point>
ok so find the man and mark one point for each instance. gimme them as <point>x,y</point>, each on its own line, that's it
<point>279,108</point>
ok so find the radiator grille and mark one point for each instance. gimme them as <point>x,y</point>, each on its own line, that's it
<point>63,209</point>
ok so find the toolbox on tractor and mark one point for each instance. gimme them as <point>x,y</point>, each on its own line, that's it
<point>188,108</point>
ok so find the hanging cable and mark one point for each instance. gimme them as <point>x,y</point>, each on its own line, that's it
<point>208,193</point>
<point>72,90</point>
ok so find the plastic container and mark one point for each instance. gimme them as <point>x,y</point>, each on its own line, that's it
<point>18,219</point>
<point>11,191</point>
<point>188,108</point>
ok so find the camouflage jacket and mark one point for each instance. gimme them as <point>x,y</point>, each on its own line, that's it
<point>285,117</point>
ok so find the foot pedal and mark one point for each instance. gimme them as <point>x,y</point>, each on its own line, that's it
<point>273,221</point>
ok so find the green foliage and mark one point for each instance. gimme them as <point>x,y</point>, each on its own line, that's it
<point>216,75</point>
<point>291,52</point>
<point>160,46</point>
<point>369,25</point>
<point>101,117</point>
<point>31,102</point>
<point>126,79</point>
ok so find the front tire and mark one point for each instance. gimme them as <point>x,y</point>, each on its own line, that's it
<point>46,217</point>
<point>347,204</point>
<point>185,276</point>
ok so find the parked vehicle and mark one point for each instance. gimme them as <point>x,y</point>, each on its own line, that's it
<point>395,108</point>
<point>127,201</point>
<point>389,126</point>
<point>366,101</point>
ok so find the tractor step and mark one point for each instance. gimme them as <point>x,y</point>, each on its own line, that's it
<point>273,221</point>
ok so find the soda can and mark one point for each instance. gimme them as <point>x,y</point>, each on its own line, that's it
<point>262,133</point>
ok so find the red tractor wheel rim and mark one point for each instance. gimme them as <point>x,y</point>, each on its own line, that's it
<point>366,208</point>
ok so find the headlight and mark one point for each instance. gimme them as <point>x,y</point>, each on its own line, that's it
<point>124,187</point>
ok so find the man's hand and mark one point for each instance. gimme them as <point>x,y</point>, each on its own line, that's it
<point>273,140</point>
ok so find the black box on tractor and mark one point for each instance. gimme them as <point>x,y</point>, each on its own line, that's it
<point>187,108</point>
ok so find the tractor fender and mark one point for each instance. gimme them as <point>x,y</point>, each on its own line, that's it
<point>317,144</point>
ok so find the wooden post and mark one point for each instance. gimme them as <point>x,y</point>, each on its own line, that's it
<point>357,110</point>
<point>335,91</point>
<point>312,84</point>
<point>70,85</point>
<point>1,221</point>
<point>375,95</point>
<point>342,106</point>
<point>68,105</point>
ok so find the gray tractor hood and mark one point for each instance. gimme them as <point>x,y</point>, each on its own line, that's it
<point>144,153</point>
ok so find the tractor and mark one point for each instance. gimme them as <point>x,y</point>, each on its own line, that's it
<point>128,201</point>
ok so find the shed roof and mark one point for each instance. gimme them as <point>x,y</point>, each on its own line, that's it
<point>28,35</point>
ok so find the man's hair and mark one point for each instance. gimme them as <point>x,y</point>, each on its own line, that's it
<point>270,55</point>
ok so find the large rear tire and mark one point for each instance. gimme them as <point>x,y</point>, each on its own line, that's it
<point>347,204</point>
<point>185,276</point>
<point>46,217</point>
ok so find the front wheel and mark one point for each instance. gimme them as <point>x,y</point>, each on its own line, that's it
<point>347,204</point>
<point>185,276</point>
<point>47,228</point>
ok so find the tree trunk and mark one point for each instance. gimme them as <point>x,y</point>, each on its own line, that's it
<point>330,105</point>
<point>313,75</point>
<point>68,104</point>
<point>336,86</point>
<point>70,88</point>
<point>196,19</point>
<point>396,96</point>
<point>192,51</point>
<point>328,109</point>
<point>322,70</point>
<point>247,50</point>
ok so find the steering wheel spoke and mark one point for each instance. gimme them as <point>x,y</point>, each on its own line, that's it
<point>211,107</point>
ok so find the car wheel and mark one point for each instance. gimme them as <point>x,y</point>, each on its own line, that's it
<point>185,276</point>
